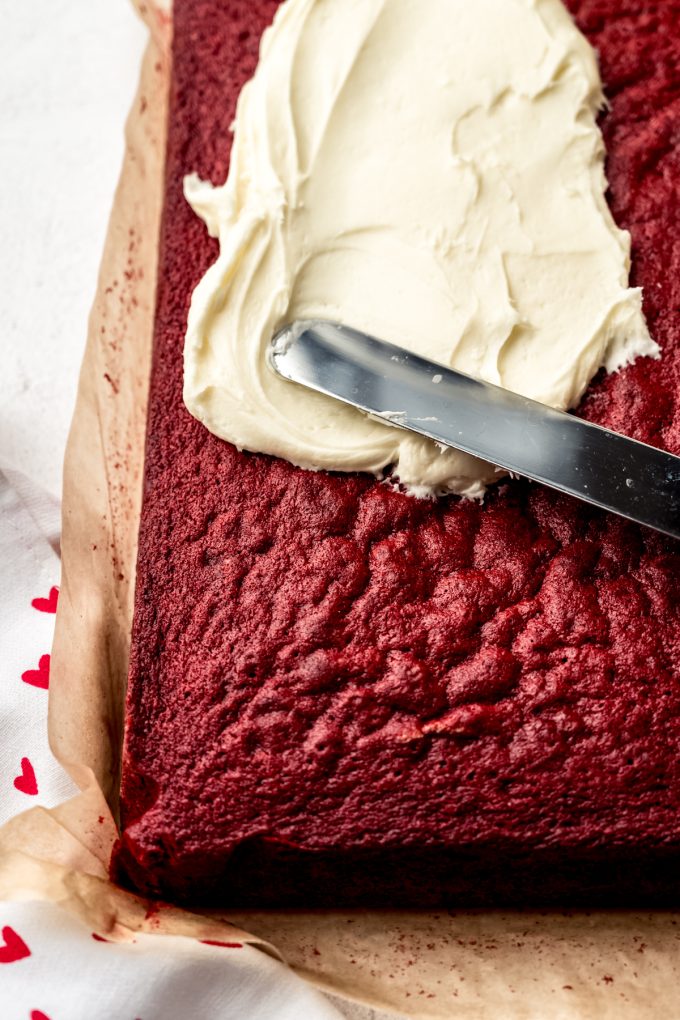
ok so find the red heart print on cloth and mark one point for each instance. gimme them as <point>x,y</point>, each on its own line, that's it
<point>39,677</point>
<point>48,605</point>
<point>13,947</point>
<point>37,1014</point>
<point>26,781</point>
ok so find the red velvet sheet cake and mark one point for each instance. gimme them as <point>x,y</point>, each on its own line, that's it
<point>342,695</point>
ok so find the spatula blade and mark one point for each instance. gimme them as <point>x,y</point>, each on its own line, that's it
<point>523,436</point>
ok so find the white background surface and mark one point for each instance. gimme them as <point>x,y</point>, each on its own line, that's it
<point>68,72</point>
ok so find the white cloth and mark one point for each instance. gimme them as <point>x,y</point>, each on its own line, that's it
<point>59,972</point>
<point>28,601</point>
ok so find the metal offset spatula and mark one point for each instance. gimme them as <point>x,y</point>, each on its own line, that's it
<point>594,464</point>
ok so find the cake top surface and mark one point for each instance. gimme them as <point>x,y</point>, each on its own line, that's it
<point>319,660</point>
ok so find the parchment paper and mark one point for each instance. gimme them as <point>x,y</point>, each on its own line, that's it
<point>453,964</point>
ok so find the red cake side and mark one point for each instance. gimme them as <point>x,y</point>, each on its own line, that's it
<point>342,695</point>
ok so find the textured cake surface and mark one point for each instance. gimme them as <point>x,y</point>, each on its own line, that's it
<point>340,694</point>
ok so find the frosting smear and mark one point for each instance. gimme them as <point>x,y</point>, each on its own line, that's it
<point>428,172</point>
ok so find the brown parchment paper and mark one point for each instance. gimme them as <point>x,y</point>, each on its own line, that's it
<point>476,965</point>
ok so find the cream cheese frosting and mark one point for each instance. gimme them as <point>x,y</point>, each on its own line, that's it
<point>428,171</point>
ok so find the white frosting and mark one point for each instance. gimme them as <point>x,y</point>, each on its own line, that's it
<point>428,171</point>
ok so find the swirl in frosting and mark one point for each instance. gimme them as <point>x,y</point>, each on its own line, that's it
<point>430,172</point>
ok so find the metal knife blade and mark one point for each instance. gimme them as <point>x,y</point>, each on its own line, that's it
<point>523,436</point>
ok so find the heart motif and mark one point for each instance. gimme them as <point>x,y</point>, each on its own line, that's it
<point>37,1014</point>
<point>48,605</point>
<point>26,782</point>
<point>13,948</point>
<point>39,677</point>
